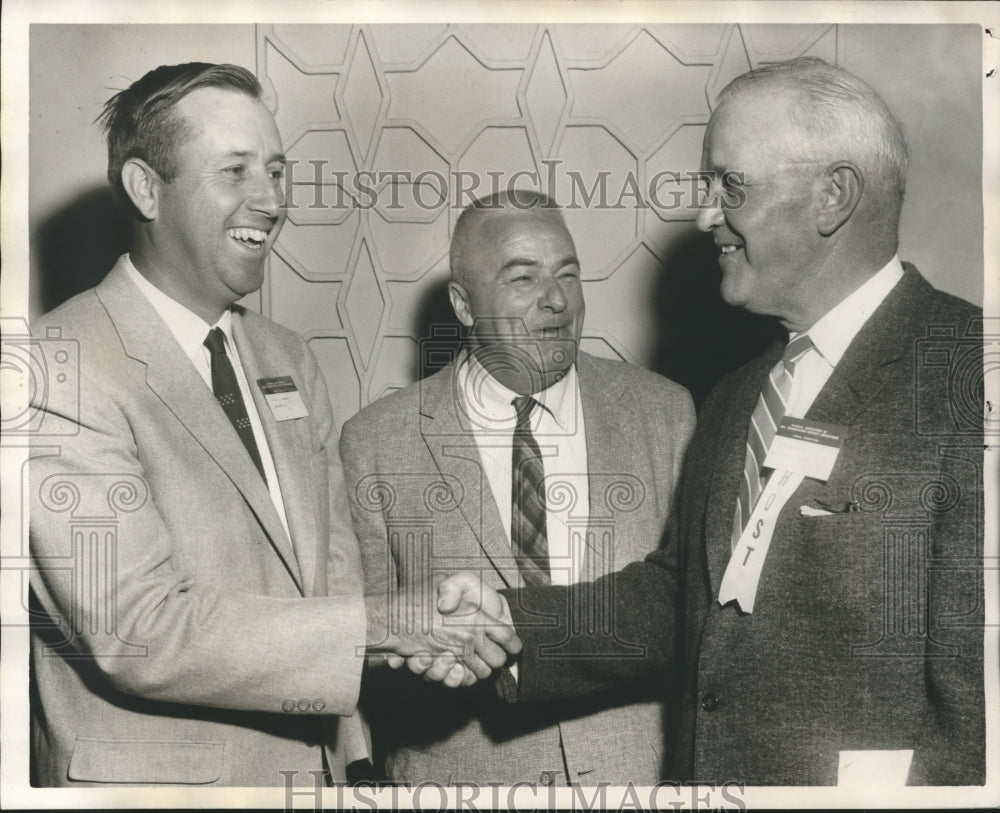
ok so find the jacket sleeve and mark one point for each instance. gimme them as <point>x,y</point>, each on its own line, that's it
<point>950,745</point>
<point>594,636</point>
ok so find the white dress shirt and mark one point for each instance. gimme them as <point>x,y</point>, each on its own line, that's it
<point>559,431</point>
<point>190,331</point>
<point>832,334</point>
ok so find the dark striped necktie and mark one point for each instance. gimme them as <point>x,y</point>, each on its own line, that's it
<point>527,516</point>
<point>771,408</point>
<point>227,392</point>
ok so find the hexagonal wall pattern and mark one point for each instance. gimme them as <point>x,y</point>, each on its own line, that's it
<point>392,127</point>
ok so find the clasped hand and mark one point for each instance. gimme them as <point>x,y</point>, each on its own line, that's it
<point>456,634</point>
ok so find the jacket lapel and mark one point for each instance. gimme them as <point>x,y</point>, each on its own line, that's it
<point>172,377</point>
<point>861,374</point>
<point>609,425</point>
<point>452,445</point>
<point>290,450</point>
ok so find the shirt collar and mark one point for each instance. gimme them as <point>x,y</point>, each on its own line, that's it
<point>488,401</point>
<point>836,329</point>
<point>187,327</point>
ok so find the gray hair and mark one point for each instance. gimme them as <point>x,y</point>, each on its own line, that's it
<point>516,200</point>
<point>841,116</point>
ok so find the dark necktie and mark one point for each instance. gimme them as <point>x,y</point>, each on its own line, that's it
<point>527,516</point>
<point>227,392</point>
<point>771,408</point>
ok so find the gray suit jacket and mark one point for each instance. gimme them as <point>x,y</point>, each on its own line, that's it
<point>867,632</point>
<point>422,503</point>
<point>180,635</point>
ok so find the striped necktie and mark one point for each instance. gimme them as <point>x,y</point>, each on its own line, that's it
<point>527,516</point>
<point>771,408</point>
<point>227,393</point>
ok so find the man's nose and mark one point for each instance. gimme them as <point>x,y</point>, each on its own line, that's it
<point>710,214</point>
<point>267,196</point>
<point>553,296</point>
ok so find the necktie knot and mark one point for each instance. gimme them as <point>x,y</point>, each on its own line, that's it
<point>523,406</point>
<point>796,348</point>
<point>215,341</point>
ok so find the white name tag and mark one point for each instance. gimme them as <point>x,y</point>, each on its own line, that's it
<point>743,572</point>
<point>866,769</point>
<point>283,397</point>
<point>809,448</point>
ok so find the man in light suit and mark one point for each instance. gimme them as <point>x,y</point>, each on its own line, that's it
<point>198,616</point>
<point>434,486</point>
<point>822,611</point>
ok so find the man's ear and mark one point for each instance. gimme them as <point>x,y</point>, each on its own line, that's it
<point>460,303</point>
<point>840,193</point>
<point>142,185</point>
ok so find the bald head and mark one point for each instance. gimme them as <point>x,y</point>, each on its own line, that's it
<point>515,282</point>
<point>485,212</point>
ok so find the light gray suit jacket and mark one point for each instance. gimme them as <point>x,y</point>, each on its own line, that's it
<point>180,635</point>
<point>422,503</point>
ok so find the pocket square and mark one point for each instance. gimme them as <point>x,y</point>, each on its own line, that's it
<point>824,509</point>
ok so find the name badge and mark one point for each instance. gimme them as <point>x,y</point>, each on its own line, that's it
<point>809,448</point>
<point>283,397</point>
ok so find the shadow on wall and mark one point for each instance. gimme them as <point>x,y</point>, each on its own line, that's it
<point>76,247</point>
<point>441,333</point>
<point>699,337</point>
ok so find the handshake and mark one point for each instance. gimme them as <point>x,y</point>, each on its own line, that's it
<point>454,630</point>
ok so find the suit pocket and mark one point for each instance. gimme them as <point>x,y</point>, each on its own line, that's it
<point>149,762</point>
<point>416,767</point>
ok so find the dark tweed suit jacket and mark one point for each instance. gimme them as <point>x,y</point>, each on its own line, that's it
<point>868,626</point>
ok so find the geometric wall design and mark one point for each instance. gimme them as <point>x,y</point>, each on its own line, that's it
<point>391,127</point>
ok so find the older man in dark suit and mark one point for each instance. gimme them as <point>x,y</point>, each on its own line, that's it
<point>820,597</point>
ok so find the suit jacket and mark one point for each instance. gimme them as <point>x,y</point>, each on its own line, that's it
<point>867,633</point>
<point>179,634</point>
<point>422,503</point>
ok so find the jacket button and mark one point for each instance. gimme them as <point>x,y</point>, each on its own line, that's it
<point>318,705</point>
<point>288,705</point>
<point>304,705</point>
<point>709,702</point>
<point>547,777</point>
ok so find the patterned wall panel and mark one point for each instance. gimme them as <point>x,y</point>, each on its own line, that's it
<point>391,128</point>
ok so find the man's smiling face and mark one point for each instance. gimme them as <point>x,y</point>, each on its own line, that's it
<point>522,292</point>
<point>771,250</point>
<point>219,216</point>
